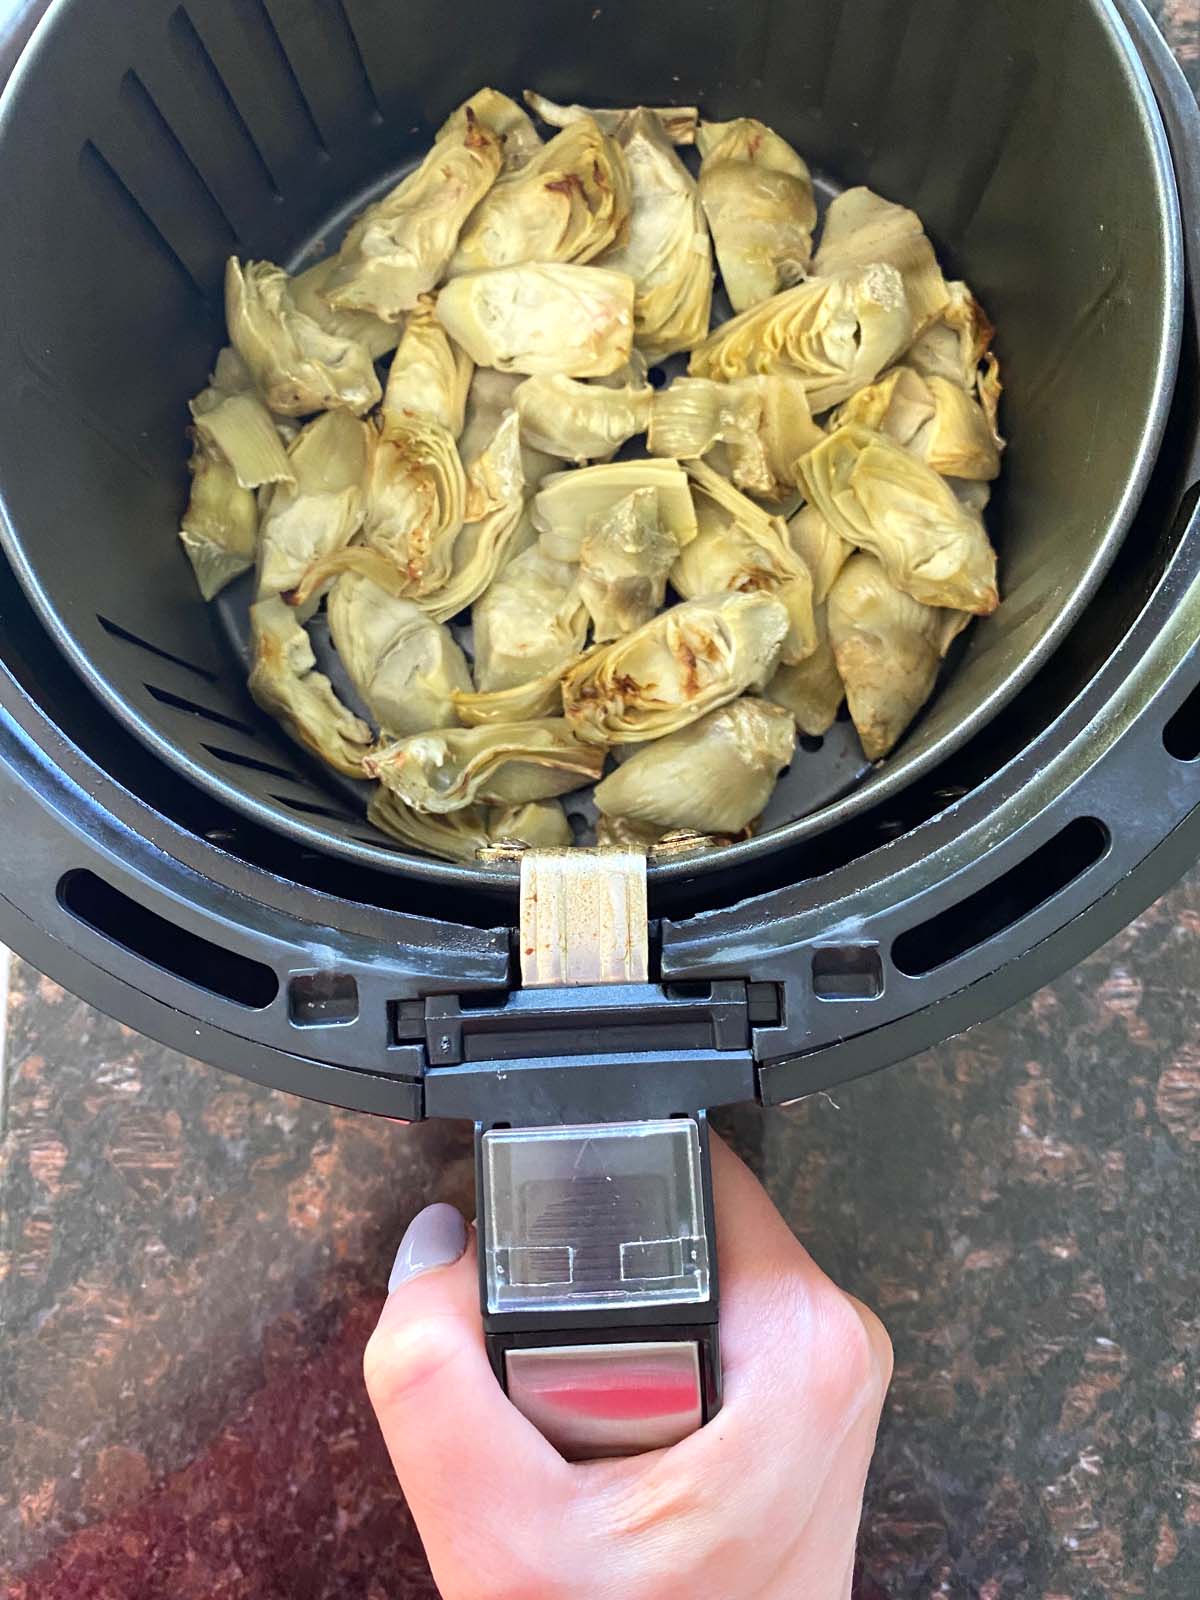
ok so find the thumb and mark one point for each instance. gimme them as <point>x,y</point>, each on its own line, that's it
<point>470,1465</point>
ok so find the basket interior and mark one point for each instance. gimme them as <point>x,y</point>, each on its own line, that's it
<point>141,144</point>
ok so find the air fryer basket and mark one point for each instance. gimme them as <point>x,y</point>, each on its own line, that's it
<point>171,857</point>
<point>190,132</point>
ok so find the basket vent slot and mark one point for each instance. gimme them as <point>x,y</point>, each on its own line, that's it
<point>1004,902</point>
<point>149,937</point>
<point>1182,734</point>
<point>149,126</point>
<point>195,55</point>
<point>118,632</point>
<point>252,764</point>
<point>117,197</point>
<point>181,703</point>
<point>309,808</point>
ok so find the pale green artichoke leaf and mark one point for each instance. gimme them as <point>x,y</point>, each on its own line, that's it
<point>531,701</point>
<point>741,548</point>
<point>835,334</point>
<point>322,511</point>
<point>540,824</point>
<point>240,430</point>
<point>297,365</point>
<point>501,116</point>
<point>757,195</point>
<point>888,648</point>
<point>530,621</point>
<point>812,689</point>
<point>495,525</point>
<point>451,836</point>
<point>821,548</point>
<point>715,776</point>
<point>542,318</point>
<point>679,123</point>
<point>933,418</point>
<point>400,247</point>
<point>765,423</point>
<point>624,561</point>
<point>685,662</point>
<point>569,504</point>
<point>580,421</point>
<point>885,501</point>
<point>862,228</point>
<point>219,528</point>
<point>958,349</point>
<point>667,252</point>
<point>309,290</point>
<point>429,375</point>
<point>285,683</point>
<point>489,397</point>
<point>407,667</point>
<point>506,765</point>
<point>570,202</point>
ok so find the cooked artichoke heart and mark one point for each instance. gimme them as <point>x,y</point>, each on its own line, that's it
<point>679,123</point>
<point>623,565</point>
<point>758,197</point>
<point>429,375</point>
<point>888,648</point>
<point>569,504</point>
<point>883,500</point>
<point>406,666</point>
<point>933,418</point>
<point>568,203</point>
<point>298,366</point>
<point>685,662</point>
<point>529,622</point>
<point>542,318</point>
<point>506,765</point>
<point>667,252</point>
<point>580,421</point>
<point>835,334</point>
<point>308,520</point>
<point>400,247</point>
<point>715,776</point>
<point>284,682</point>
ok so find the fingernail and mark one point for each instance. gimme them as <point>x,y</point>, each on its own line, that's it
<point>435,1237</point>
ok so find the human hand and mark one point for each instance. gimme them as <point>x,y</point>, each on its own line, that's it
<point>761,1504</point>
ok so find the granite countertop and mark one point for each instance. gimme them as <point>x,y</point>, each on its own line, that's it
<point>191,1265</point>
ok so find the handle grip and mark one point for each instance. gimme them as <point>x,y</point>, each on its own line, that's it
<point>598,1280</point>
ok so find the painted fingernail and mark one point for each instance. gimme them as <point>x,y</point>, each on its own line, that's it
<point>435,1237</point>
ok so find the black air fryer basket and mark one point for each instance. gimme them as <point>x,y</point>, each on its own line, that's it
<point>171,858</point>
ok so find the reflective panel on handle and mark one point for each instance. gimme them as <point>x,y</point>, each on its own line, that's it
<point>594,1400</point>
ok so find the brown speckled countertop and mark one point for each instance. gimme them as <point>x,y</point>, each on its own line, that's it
<point>189,1267</point>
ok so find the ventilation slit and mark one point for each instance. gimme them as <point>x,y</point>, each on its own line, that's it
<point>179,703</point>
<point>308,808</point>
<point>118,632</point>
<point>96,170</point>
<point>302,106</point>
<point>1181,736</point>
<point>198,961</point>
<point>337,9</point>
<point>195,52</point>
<point>990,911</point>
<point>146,108</point>
<point>234,759</point>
